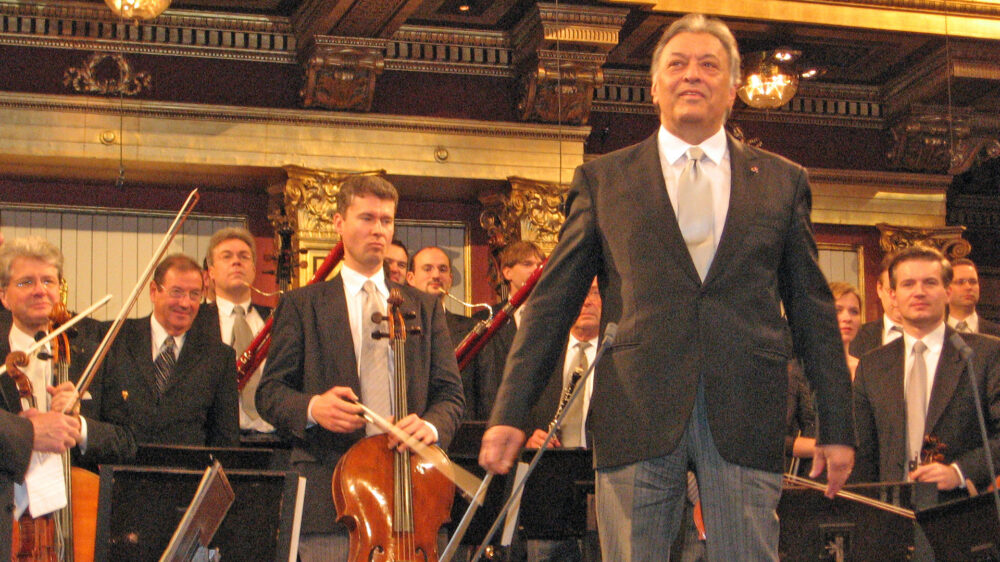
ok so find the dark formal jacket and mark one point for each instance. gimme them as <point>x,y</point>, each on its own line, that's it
<point>675,330</point>
<point>989,328</point>
<point>483,380</point>
<point>869,337</point>
<point>110,438</point>
<point>16,438</point>
<point>312,351</point>
<point>199,406</point>
<point>545,409</point>
<point>458,326</point>
<point>880,411</point>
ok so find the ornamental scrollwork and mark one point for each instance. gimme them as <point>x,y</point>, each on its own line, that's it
<point>96,76</point>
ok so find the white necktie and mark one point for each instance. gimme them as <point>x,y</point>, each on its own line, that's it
<point>695,211</point>
<point>373,364</point>
<point>571,432</point>
<point>916,403</point>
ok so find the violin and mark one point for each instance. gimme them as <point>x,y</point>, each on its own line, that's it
<point>33,537</point>
<point>377,490</point>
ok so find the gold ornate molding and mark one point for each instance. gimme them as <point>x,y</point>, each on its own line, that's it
<point>940,140</point>
<point>560,51</point>
<point>948,239</point>
<point>93,76</point>
<point>306,203</point>
<point>341,72</point>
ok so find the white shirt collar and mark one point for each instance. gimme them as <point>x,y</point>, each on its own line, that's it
<point>573,341</point>
<point>971,320</point>
<point>673,148</point>
<point>159,335</point>
<point>226,306</point>
<point>933,340</point>
<point>354,281</point>
<point>19,340</point>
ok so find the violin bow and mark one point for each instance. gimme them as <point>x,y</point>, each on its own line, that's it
<point>102,350</point>
<point>65,326</point>
<point>465,480</point>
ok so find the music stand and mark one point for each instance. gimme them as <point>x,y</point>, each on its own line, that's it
<point>554,499</point>
<point>207,510</point>
<point>139,507</point>
<point>197,457</point>
<point>963,529</point>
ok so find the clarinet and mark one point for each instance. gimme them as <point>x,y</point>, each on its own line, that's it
<point>566,393</point>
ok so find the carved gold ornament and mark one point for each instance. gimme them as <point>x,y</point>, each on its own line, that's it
<point>137,9</point>
<point>93,77</point>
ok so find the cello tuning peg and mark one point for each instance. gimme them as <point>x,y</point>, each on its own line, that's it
<point>44,355</point>
<point>377,335</point>
<point>409,315</point>
<point>415,330</point>
<point>378,317</point>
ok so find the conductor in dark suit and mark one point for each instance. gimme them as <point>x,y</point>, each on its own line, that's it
<point>918,385</point>
<point>322,358</point>
<point>962,315</point>
<point>179,386</point>
<point>696,251</point>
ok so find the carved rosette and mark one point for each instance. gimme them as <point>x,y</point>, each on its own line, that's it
<point>560,51</point>
<point>341,72</point>
<point>306,202</point>
<point>948,239</point>
<point>106,73</point>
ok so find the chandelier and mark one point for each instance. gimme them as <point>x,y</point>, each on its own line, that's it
<point>770,79</point>
<point>137,9</point>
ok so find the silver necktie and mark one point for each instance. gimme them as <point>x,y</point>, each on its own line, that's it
<point>696,212</point>
<point>571,432</point>
<point>242,336</point>
<point>916,403</point>
<point>373,363</point>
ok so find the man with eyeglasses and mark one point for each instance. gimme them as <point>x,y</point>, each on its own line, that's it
<point>179,390</point>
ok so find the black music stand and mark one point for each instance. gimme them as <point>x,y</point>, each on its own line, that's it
<point>139,508</point>
<point>963,529</point>
<point>554,500</point>
<point>816,528</point>
<point>197,458</point>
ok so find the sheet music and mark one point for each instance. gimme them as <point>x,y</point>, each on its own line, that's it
<point>45,484</point>
<point>300,496</point>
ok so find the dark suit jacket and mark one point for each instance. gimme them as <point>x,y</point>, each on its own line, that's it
<point>674,329</point>
<point>312,351</point>
<point>545,409</point>
<point>869,337</point>
<point>989,328</point>
<point>16,438</point>
<point>200,403</point>
<point>458,326</point>
<point>879,410</point>
<point>483,381</point>
<point>110,438</point>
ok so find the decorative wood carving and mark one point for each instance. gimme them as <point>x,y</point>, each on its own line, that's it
<point>948,239</point>
<point>940,140</point>
<point>306,202</point>
<point>560,51</point>
<point>341,72</point>
<point>107,73</point>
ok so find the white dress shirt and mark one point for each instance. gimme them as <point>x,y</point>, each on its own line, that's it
<point>716,167</point>
<point>972,321</point>
<point>159,335</point>
<point>256,323</point>
<point>888,334</point>
<point>569,365</point>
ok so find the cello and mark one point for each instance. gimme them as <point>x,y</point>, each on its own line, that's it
<point>376,489</point>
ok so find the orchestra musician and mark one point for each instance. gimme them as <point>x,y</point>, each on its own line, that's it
<point>696,250</point>
<point>430,272</point>
<point>232,317</point>
<point>397,261</point>
<point>894,415</point>
<point>179,386</point>
<point>320,362</point>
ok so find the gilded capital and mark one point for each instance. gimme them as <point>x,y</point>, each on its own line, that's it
<point>948,239</point>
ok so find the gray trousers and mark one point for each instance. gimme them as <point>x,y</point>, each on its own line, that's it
<point>639,506</point>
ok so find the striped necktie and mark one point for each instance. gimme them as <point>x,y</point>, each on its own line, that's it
<point>164,364</point>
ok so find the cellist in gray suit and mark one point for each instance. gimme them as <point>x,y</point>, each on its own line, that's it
<point>697,241</point>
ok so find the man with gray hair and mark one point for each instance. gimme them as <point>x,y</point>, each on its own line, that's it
<point>717,242</point>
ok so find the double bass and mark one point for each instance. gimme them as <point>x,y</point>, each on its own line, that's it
<point>378,491</point>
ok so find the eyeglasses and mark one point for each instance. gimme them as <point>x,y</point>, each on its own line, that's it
<point>30,283</point>
<point>177,293</point>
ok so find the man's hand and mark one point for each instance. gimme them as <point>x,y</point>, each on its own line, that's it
<point>538,437</point>
<point>336,411</point>
<point>63,396</point>
<point>501,444</point>
<point>415,427</point>
<point>945,476</point>
<point>838,461</point>
<point>54,432</point>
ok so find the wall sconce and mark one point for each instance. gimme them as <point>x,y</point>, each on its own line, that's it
<point>770,78</point>
<point>137,9</point>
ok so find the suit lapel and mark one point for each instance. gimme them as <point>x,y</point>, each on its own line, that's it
<point>8,390</point>
<point>741,205</point>
<point>946,377</point>
<point>331,306</point>
<point>138,341</point>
